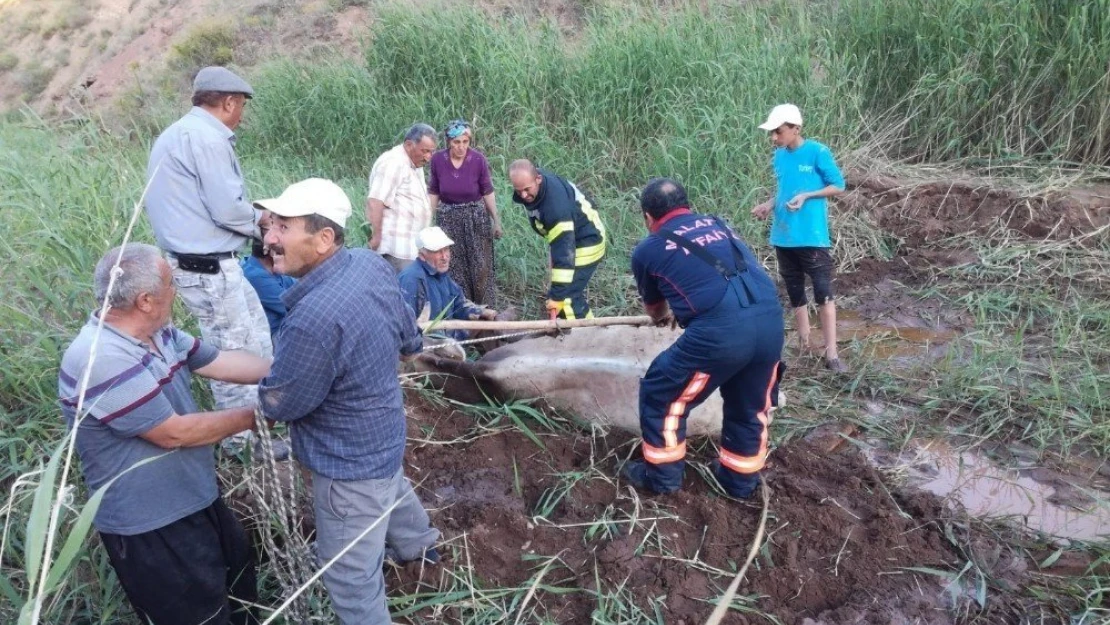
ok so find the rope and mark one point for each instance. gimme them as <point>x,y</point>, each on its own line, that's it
<point>292,562</point>
<point>498,337</point>
<point>726,600</point>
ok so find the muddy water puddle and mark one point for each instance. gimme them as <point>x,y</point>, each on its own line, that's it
<point>904,340</point>
<point>892,342</point>
<point>1048,502</point>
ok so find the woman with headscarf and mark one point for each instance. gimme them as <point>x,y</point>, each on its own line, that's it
<point>461,194</point>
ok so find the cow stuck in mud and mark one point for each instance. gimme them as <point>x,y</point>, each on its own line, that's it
<point>592,373</point>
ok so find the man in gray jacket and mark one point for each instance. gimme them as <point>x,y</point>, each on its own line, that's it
<point>197,205</point>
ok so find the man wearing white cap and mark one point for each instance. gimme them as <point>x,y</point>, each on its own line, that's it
<point>335,382</point>
<point>426,284</point>
<point>806,174</point>
<point>198,208</point>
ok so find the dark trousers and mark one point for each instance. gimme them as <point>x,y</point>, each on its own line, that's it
<point>183,573</point>
<point>398,264</point>
<point>574,301</point>
<point>795,263</point>
<point>736,350</point>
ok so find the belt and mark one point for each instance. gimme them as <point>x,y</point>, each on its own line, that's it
<point>213,255</point>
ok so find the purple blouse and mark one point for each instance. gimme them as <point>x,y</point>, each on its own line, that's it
<point>468,183</point>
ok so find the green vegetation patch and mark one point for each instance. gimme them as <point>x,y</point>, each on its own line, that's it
<point>207,43</point>
<point>8,61</point>
<point>961,78</point>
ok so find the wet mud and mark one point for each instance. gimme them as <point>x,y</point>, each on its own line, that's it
<point>1032,496</point>
<point>843,546</point>
<point>927,211</point>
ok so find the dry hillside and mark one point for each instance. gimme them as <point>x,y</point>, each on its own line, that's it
<point>61,55</point>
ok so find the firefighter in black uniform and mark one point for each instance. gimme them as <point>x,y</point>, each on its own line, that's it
<point>692,269</point>
<point>570,225</point>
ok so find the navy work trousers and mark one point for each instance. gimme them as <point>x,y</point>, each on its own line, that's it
<point>574,301</point>
<point>731,348</point>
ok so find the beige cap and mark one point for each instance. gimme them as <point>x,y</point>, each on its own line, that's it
<point>315,196</point>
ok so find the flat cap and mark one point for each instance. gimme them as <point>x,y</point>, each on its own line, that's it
<point>217,78</point>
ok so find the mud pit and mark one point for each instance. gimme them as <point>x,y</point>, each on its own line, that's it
<point>1057,504</point>
<point>840,545</point>
<point>843,546</point>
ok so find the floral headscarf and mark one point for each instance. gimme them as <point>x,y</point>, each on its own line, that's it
<point>456,128</point>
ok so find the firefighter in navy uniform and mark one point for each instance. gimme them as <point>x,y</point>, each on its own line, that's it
<point>561,214</point>
<point>693,270</point>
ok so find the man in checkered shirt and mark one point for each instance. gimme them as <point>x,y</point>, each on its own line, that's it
<point>334,380</point>
<point>397,207</point>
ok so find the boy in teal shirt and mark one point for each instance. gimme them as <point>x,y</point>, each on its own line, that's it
<point>806,174</point>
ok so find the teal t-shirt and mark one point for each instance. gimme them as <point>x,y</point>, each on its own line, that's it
<point>809,167</point>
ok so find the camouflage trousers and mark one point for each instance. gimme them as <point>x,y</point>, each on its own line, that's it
<point>230,317</point>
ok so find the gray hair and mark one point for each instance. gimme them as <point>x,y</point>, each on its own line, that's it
<point>142,273</point>
<point>418,131</point>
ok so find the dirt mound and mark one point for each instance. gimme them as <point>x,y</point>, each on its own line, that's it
<point>842,548</point>
<point>922,211</point>
<point>929,216</point>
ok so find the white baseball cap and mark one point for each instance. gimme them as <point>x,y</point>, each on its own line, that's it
<point>782,114</point>
<point>433,239</point>
<point>315,196</point>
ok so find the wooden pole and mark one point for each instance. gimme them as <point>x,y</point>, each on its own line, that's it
<point>537,324</point>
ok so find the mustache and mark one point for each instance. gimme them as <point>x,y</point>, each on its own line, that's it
<point>276,249</point>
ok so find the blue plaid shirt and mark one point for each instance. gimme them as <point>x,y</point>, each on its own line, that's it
<point>334,377</point>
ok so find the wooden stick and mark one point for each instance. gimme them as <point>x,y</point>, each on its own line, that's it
<point>536,324</point>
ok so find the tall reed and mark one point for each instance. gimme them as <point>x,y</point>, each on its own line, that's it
<point>636,91</point>
<point>994,79</point>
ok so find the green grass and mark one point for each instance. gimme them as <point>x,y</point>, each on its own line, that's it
<point>8,61</point>
<point>674,93</point>
<point>994,79</point>
<point>636,92</point>
<point>1037,368</point>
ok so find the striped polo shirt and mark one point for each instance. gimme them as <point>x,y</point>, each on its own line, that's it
<point>131,390</point>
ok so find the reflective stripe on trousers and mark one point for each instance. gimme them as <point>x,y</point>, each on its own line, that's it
<point>737,356</point>
<point>753,464</point>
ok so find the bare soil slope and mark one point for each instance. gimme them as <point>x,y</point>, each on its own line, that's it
<point>64,55</point>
